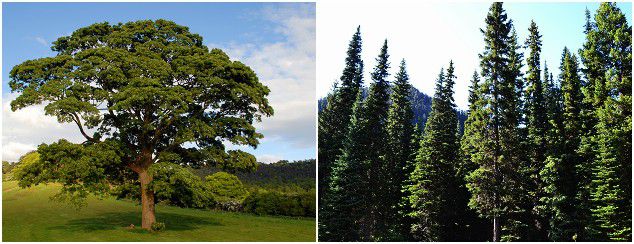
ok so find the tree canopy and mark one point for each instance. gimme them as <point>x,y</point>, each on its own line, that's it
<point>140,93</point>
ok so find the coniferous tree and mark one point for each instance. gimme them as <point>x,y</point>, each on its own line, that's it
<point>348,188</point>
<point>593,56</point>
<point>334,119</point>
<point>400,131</point>
<point>435,186</point>
<point>496,185</point>
<point>559,173</point>
<point>375,226</point>
<point>536,125</point>
<point>474,227</point>
<point>607,56</point>
<point>519,184</point>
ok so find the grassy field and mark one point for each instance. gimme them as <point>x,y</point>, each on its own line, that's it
<point>28,215</point>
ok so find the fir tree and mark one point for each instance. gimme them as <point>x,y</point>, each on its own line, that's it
<point>434,184</point>
<point>334,119</point>
<point>611,201</point>
<point>474,227</point>
<point>400,150</point>
<point>536,125</point>
<point>497,184</point>
<point>376,113</point>
<point>348,190</point>
<point>559,173</point>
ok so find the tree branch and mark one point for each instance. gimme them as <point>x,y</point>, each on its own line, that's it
<point>81,128</point>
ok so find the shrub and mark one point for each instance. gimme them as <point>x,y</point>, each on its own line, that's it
<point>157,226</point>
<point>263,202</point>
<point>226,187</point>
<point>28,169</point>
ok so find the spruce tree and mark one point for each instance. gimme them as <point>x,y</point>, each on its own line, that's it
<point>536,125</point>
<point>560,174</point>
<point>400,131</point>
<point>609,43</point>
<point>474,227</point>
<point>434,186</point>
<point>376,112</point>
<point>334,119</point>
<point>497,184</point>
<point>348,189</point>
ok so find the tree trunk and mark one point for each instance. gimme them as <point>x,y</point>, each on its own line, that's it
<point>496,228</point>
<point>147,201</point>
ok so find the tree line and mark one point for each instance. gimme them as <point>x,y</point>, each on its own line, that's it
<point>540,159</point>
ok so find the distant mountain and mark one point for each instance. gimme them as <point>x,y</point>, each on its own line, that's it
<point>421,106</point>
<point>283,173</point>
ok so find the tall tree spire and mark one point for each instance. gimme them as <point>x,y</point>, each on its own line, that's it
<point>334,119</point>
<point>401,148</point>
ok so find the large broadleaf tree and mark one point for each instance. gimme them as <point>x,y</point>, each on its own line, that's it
<point>140,93</point>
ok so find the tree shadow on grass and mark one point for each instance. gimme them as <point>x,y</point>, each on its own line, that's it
<point>121,220</point>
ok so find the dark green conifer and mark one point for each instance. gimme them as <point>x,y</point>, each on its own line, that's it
<point>607,56</point>
<point>348,189</point>
<point>435,187</point>
<point>334,119</point>
<point>497,184</point>
<point>536,127</point>
<point>376,113</point>
<point>400,151</point>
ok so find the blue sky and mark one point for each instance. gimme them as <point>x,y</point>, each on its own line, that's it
<point>276,39</point>
<point>428,35</point>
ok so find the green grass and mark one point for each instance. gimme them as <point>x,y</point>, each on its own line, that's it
<point>29,215</point>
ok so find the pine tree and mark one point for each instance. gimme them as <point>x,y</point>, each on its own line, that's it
<point>559,174</point>
<point>593,59</point>
<point>434,186</point>
<point>376,113</point>
<point>334,119</point>
<point>609,43</point>
<point>497,184</point>
<point>400,150</point>
<point>474,227</point>
<point>348,189</point>
<point>536,125</point>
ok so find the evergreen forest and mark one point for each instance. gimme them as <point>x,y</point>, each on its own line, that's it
<point>539,157</point>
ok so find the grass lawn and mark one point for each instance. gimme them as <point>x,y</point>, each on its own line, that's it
<point>29,215</point>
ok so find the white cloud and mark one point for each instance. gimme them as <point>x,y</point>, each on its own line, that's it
<point>24,129</point>
<point>287,67</point>
<point>267,158</point>
<point>12,151</point>
<point>41,40</point>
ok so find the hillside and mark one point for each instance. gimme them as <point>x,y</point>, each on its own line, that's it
<point>299,173</point>
<point>421,106</point>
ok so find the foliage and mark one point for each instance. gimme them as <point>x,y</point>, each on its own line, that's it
<point>375,112</point>
<point>225,187</point>
<point>400,154</point>
<point>537,160</point>
<point>6,170</point>
<point>434,188</point>
<point>263,202</point>
<point>172,185</point>
<point>344,198</point>
<point>496,184</point>
<point>334,118</point>
<point>145,89</point>
<point>609,42</point>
